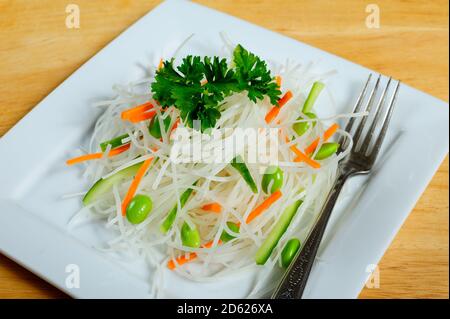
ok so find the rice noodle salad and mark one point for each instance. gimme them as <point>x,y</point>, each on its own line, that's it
<point>207,219</point>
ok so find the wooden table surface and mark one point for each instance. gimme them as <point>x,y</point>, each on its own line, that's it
<point>37,52</point>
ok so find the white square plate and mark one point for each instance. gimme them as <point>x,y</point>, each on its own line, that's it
<point>33,176</point>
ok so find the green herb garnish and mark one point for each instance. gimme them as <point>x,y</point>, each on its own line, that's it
<point>182,86</point>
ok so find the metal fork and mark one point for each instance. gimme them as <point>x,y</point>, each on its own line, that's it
<point>360,161</point>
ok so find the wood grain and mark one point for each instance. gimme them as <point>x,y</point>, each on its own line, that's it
<point>38,52</point>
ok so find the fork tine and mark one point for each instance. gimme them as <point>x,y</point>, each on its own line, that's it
<point>358,105</point>
<point>379,109</point>
<point>356,108</point>
<point>387,119</point>
<point>368,108</point>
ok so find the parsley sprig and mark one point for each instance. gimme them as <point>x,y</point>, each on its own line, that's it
<point>182,86</point>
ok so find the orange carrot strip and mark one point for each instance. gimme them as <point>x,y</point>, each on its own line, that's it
<point>84,158</point>
<point>135,183</point>
<point>213,207</point>
<point>264,206</point>
<point>276,109</point>
<point>119,150</point>
<point>142,117</point>
<point>171,264</point>
<point>305,158</point>
<point>278,81</point>
<point>136,110</point>
<point>161,64</point>
<point>174,127</point>
<point>205,81</point>
<point>273,113</point>
<point>93,156</point>
<point>286,97</point>
<point>326,136</point>
<point>302,156</point>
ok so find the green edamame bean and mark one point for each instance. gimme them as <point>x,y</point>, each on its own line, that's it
<point>326,150</point>
<point>273,175</point>
<point>289,251</point>
<point>139,208</point>
<point>190,237</point>
<point>227,236</point>
<point>155,128</point>
<point>302,127</point>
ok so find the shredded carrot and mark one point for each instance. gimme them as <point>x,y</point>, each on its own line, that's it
<point>205,81</point>
<point>305,158</point>
<point>175,125</point>
<point>172,264</point>
<point>276,109</point>
<point>93,156</point>
<point>326,136</point>
<point>272,114</point>
<point>84,158</point>
<point>284,99</point>
<point>302,157</point>
<point>136,110</point>
<point>264,206</point>
<point>119,150</point>
<point>161,64</point>
<point>135,183</point>
<point>142,117</point>
<point>278,81</point>
<point>213,207</point>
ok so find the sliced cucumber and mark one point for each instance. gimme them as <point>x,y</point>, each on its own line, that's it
<point>239,164</point>
<point>170,218</point>
<point>103,186</point>
<point>271,241</point>
<point>115,142</point>
<point>312,96</point>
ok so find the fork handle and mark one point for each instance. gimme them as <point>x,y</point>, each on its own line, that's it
<point>294,280</point>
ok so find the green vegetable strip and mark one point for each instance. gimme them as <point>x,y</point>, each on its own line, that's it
<point>312,97</point>
<point>169,220</point>
<point>239,165</point>
<point>103,186</point>
<point>271,241</point>
<point>115,142</point>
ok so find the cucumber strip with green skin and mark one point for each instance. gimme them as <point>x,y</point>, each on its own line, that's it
<point>170,218</point>
<point>115,142</point>
<point>154,127</point>
<point>312,96</point>
<point>264,252</point>
<point>239,164</point>
<point>103,186</point>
